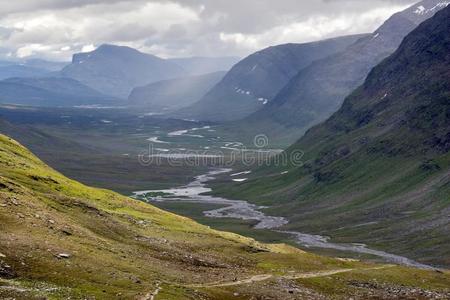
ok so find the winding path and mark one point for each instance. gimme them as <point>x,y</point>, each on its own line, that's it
<point>264,277</point>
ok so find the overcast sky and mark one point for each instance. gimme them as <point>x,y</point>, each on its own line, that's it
<point>55,29</point>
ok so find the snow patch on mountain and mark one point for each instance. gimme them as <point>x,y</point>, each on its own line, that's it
<point>263,100</point>
<point>421,10</point>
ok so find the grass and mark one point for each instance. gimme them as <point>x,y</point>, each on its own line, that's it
<point>119,247</point>
<point>242,227</point>
<point>401,196</point>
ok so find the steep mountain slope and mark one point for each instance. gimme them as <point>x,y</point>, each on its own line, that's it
<point>63,240</point>
<point>173,94</point>
<point>378,170</point>
<point>50,91</point>
<point>115,70</point>
<point>205,65</point>
<point>319,90</point>
<point>255,80</point>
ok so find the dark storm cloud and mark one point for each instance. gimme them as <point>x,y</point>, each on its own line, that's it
<point>57,28</point>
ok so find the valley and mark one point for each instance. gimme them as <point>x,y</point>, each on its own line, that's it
<point>242,210</point>
<point>172,150</point>
<point>54,227</point>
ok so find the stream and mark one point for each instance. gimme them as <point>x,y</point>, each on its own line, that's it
<point>239,209</point>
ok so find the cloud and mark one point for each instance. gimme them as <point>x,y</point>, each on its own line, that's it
<point>55,29</point>
<point>312,29</point>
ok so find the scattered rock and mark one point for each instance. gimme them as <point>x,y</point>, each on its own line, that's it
<point>63,255</point>
<point>2,255</point>
<point>67,232</point>
<point>385,291</point>
<point>6,271</point>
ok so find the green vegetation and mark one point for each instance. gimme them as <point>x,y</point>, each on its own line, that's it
<point>377,171</point>
<point>242,227</point>
<point>77,143</point>
<point>62,239</point>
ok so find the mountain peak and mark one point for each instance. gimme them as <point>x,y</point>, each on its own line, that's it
<point>318,91</point>
<point>109,50</point>
<point>424,10</point>
<point>116,70</point>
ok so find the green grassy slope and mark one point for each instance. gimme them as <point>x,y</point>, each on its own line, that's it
<point>378,170</point>
<point>61,239</point>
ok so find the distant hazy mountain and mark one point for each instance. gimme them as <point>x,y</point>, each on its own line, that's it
<point>29,68</point>
<point>16,70</point>
<point>6,63</point>
<point>51,66</point>
<point>319,90</point>
<point>255,80</point>
<point>116,70</point>
<point>378,170</point>
<point>173,94</point>
<point>50,91</point>
<point>205,65</point>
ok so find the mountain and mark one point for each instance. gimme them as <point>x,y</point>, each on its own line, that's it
<point>319,90</point>
<point>13,70</point>
<point>50,91</point>
<point>116,70</point>
<point>255,80</point>
<point>29,68</point>
<point>204,65</point>
<point>173,94</point>
<point>51,66</point>
<point>64,240</point>
<point>378,170</point>
<point>6,63</point>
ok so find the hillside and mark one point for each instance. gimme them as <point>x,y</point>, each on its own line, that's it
<point>378,170</point>
<point>319,90</point>
<point>115,70</point>
<point>61,239</point>
<point>255,80</point>
<point>173,94</point>
<point>50,91</point>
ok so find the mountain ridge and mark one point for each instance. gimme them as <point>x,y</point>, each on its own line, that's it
<point>172,94</point>
<point>255,80</point>
<point>116,70</point>
<point>50,91</point>
<point>381,161</point>
<point>319,90</point>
